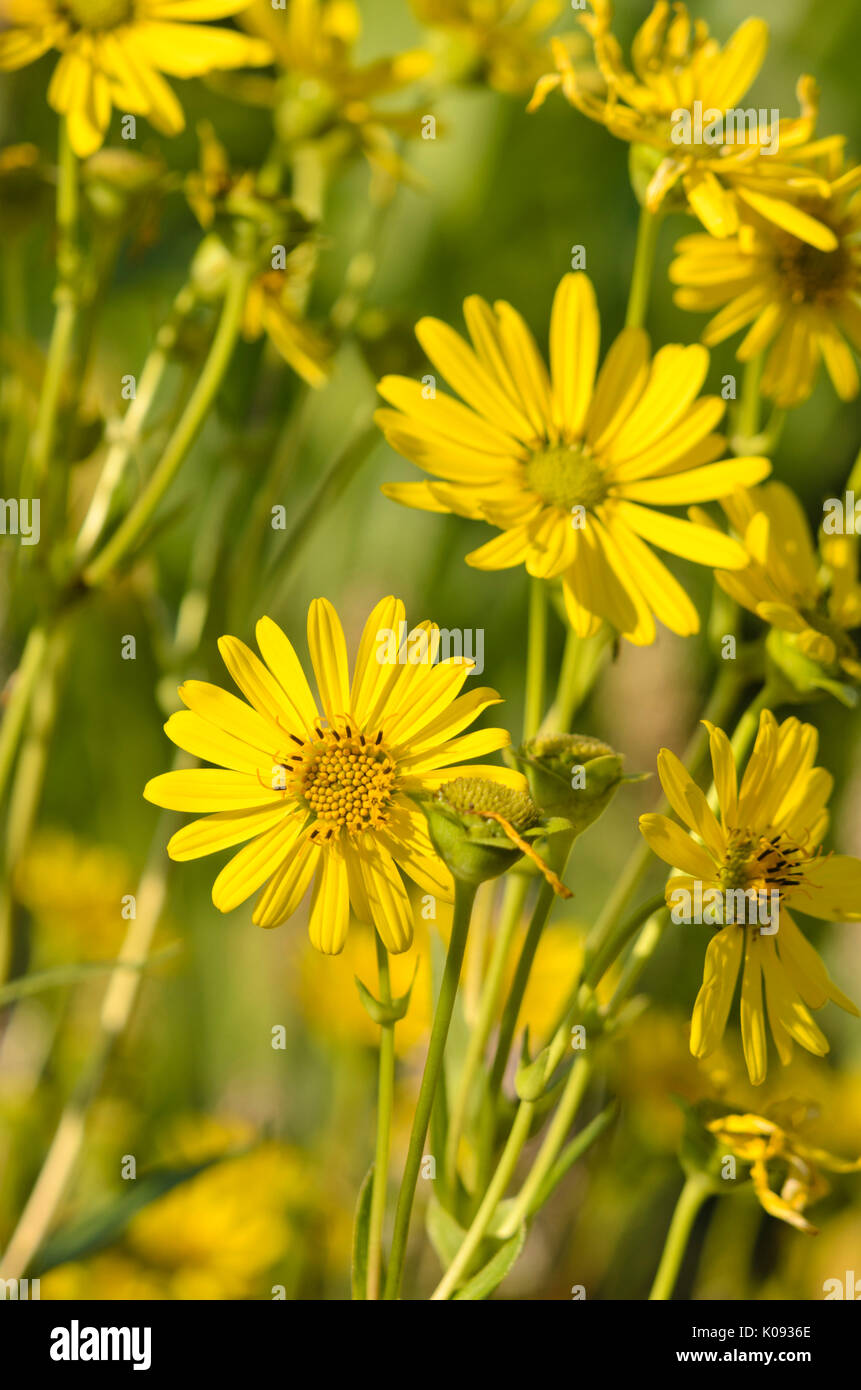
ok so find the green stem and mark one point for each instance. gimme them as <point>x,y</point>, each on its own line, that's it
<point>516,888</point>
<point>385,1101</point>
<point>563,1117</point>
<point>582,661</point>
<point>22,686</point>
<point>536,658</point>
<point>746,424</point>
<point>463,899</point>
<point>559,847</point>
<point>66,298</point>
<point>128,434</point>
<point>493,1196</point>
<point>695,1191</point>
<point>644,266</point>
<point>282,569</point>
<point>190,423</point>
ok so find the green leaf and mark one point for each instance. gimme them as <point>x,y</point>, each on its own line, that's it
<point>105,1226</point>
<point>390,1012</point>
<point>491,1276</point>
<point>361,1237</point>
<point>75,974</point>
<point>446,1234</point>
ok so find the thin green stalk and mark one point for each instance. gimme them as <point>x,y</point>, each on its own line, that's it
<point>695,1191</point>
<point>582,661</point>
<point>517,886</point>
<point>747,415</point>
<point>463,900</point>
<point>282,568</point>
<point>644,268</point>
<point>22,686</point>
<point>536,658</point>
<point>190,423</point>
<point>385,1101</point>
<point>563,1117</point>
<point>128,434</point>
<point>493,1196</point>
<point>66,299</point>
<point>559,847</point>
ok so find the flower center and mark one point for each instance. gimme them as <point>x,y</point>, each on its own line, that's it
<point>100,14</point>
<point>811,275</point>
<point>567,476</point>
<point>347,780</point>
<point>763,864</point>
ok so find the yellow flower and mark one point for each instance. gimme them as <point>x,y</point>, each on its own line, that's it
<point>322,90</point>
<point>571,468</point>
<point>114,52</point>
<point>799,304</point>
<point>276,298</point>
<point>679,68</point>
<point>214,1236</point>
<point>505,39</point>
<point>814,598</point>
<point>767,842</point>
<point>74,892</point>
<point>761,1142</point>
<point>325,791</point>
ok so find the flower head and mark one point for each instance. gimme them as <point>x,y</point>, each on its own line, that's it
<point>799,304</point>
<point>570,467</point>
<point>321,91</point>
<point>503,41</point>
<point>772,1150</point>
<point>324,789</point>
<point>766,850</point>
<point>812,600</point>
<point>679,70</point>
<point>115,51</point>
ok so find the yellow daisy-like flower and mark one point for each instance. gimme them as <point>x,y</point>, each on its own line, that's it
<point>761,1142</point>
<point>570,467</point>
<point>766,845</point>
<point>799,304</point>
<point>324,790</point>
<point>678,67</point>
<point>814,598</point>
<point>115,51</point>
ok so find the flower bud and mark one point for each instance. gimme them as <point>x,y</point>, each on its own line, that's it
<point>467,819</point>
<point>571,776</point>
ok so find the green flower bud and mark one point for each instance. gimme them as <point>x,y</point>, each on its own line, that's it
<point>571,776</point>
<point>643,163</point>
<point>465,821</point>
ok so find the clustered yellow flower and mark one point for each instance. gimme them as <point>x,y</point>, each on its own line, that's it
<point>113,54</point>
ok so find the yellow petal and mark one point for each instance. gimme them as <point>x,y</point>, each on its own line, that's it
<point>712,1006</point>
<point>575,333</point>
<point>330,903</point>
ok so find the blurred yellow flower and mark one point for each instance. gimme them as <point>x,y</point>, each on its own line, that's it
<point>562,463</point>
<point>114,52</point>
<point>680,70</point>
<point>766,844</point>
<point>338,809</point>
<point>799,304</point>
<point>212,1237</point>
<point>761,1142</point>
<point>321,90</point>
<point>814,598</point>
<point>74,891</point>
<point>505,40</point>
